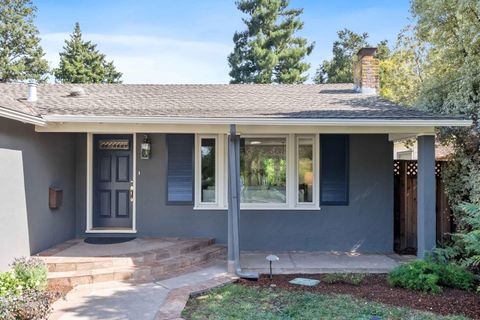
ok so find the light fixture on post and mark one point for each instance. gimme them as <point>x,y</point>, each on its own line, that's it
<point>146,148</point>
<point>270,259</point>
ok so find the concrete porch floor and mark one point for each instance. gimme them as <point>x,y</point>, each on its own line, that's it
<point>322,262</point>
<point>79,248</point>
<point>290,262</point>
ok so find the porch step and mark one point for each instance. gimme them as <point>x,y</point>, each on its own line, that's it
<point>140,271</point>
<point>65,264</point>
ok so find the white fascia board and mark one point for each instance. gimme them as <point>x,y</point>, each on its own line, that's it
<point>260,121</point>
<point>22,117</point>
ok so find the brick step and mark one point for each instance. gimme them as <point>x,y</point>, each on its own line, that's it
<point>176,264</point>
<point>147,271</point>
<point>65,264</point>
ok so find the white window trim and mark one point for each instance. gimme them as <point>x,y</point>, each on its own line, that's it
<point>89,202</point>
<point>219,172</point>
<point>316,177</point>
<point>291,178</point>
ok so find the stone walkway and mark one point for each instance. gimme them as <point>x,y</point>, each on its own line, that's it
<point>126,300</point>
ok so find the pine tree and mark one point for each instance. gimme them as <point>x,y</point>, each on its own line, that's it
<point>268,51</point>
<point>340,68</point>
<point>81,62</point>
<point>21,56</point>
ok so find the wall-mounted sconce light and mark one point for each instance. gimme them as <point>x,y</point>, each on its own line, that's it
<point>146,149</point>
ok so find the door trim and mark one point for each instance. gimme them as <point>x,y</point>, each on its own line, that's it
<point>89,227</point>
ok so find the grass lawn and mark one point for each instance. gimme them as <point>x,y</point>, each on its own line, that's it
<point>241,302</point>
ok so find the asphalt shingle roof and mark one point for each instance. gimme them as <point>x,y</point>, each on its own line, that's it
<point>328,101</point>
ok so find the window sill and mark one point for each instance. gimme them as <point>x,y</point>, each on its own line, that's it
<point>200,208</point>
<point>304,208</point>
<point>110,231</point>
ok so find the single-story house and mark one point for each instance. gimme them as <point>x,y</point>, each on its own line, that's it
<point>308,166</point>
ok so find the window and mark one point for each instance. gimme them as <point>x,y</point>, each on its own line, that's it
<point>276,172</point>
<point>210,172</point>
<point>263,170</point>
<point>305,170</point>
<point>208,167</point>
<point>405,155</point>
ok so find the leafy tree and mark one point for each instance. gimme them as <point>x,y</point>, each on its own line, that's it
<point>441,62</point>
<point>81,62</point>
<point>21,56</point>
<point>340,68</point>
<point>268,51</point>
<point>402,72</point>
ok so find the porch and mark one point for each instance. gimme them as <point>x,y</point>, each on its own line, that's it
<point>76,262</point>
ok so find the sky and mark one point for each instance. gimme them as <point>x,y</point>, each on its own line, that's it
<point>188,41</point>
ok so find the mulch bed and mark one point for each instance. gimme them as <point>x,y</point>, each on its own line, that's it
<point>375,288</point>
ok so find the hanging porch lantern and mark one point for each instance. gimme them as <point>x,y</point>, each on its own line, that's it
<point>146,148</point>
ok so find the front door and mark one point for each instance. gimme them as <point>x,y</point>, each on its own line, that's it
<point>112,181</point>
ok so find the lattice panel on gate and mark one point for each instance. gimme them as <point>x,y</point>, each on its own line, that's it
<point>396,168</point>
<point>438,169</point>
<point>412,168</point>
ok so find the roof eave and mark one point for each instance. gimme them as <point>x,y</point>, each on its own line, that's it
<point>258,121</point>
<point>22,117</point>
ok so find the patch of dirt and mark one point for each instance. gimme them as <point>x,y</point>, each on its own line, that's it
<point>375,288</point>
<point>58,291</point>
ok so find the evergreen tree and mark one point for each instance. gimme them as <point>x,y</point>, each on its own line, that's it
<point>268,51</point>
<point>81,62</point>
<point>340,68</point>
<point>21,56</point>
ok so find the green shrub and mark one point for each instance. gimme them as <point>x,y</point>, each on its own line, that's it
<point>31,272</point>
<point>430,276</point>
<point>9,284</point>
<point>30,304</point>
<point>348,278</point>
<point>22,291</point>
<point>455,276</point>
<point>417,275</point>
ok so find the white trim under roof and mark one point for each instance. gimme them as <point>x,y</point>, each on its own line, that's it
<point>260,121</point>
<point>20,116</point>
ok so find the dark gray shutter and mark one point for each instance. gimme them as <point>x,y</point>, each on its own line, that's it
<point>180,170</point>
<point>334,169</point>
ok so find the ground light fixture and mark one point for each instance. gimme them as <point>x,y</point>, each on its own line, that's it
<point>270,259</point>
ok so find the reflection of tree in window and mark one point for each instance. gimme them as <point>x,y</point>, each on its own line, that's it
<point>263,170</point>
<point>208,170</point>
<point>305,170</point>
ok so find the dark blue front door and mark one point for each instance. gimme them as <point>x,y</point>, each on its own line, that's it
<point>112,181</point>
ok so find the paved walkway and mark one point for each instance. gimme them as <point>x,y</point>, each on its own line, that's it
<point>166,299</point>
<point>322,262</point>
<point>124,300</point>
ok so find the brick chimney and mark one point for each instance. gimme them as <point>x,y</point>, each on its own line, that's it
<point>366,72</point>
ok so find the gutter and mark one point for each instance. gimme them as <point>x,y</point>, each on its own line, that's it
<point>260,121</point>
<point>22,117</point>
<point>234,206</point>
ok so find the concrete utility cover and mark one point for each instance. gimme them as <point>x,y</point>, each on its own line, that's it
<point>305,282</point>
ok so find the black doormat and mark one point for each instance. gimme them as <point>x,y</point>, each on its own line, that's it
<point>108,240</point>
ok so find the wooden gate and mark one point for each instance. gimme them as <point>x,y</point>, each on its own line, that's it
<point>405,206</point>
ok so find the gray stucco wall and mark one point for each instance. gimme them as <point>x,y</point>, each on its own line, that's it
<point>48,160</point>
<point>365,225</point>
<point>13,208</point>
